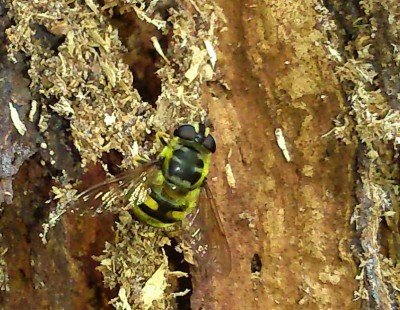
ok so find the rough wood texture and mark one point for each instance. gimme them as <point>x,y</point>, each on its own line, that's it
<point>295,215</point>
<point>291,225</point>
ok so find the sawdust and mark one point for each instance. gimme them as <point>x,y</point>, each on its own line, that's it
<point>77,72</point>
<point>373,122</point>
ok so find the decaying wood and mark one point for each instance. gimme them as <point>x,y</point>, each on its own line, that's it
<point>303,101</point>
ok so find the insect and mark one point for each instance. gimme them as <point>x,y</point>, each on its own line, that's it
<point>165,191</point>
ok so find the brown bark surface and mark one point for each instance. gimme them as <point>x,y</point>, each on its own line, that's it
<point>294,215</point>
<point>288,222</point>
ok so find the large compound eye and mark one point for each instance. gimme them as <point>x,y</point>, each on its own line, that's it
<point>209,144</point>
<point>186,132</point>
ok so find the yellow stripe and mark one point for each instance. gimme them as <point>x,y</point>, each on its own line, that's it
<point>178,215</point>
<point>151,203</point>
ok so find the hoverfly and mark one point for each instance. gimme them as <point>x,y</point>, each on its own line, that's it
<point>172,189</point>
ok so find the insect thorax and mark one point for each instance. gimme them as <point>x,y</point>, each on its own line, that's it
<point>186,167</point>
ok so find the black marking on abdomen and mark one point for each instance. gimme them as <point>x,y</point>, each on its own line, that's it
<point>164,207</point>
<point>161,214</point>
<point>185,164</point>
<point>164,202</point>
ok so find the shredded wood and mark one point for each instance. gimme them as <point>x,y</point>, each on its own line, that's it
<point>18,124</point>
<point>84,77</point>
<point>280,140</point>
<point>373,122</point>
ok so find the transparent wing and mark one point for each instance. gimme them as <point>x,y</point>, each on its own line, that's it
<point>131,183</point>
<point>208,237</point>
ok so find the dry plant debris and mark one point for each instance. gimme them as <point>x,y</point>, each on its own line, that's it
<point>280,140</point>
<point>3,268</point>
<point>371,82</point>
<point>18,124</point>
<point>131,261</point>
<point>76,71</point>
<point>17,139</point>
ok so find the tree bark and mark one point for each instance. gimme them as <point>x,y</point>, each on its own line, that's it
<point>311,215</point>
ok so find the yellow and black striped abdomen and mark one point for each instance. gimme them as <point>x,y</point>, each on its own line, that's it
<point>165,206</point>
